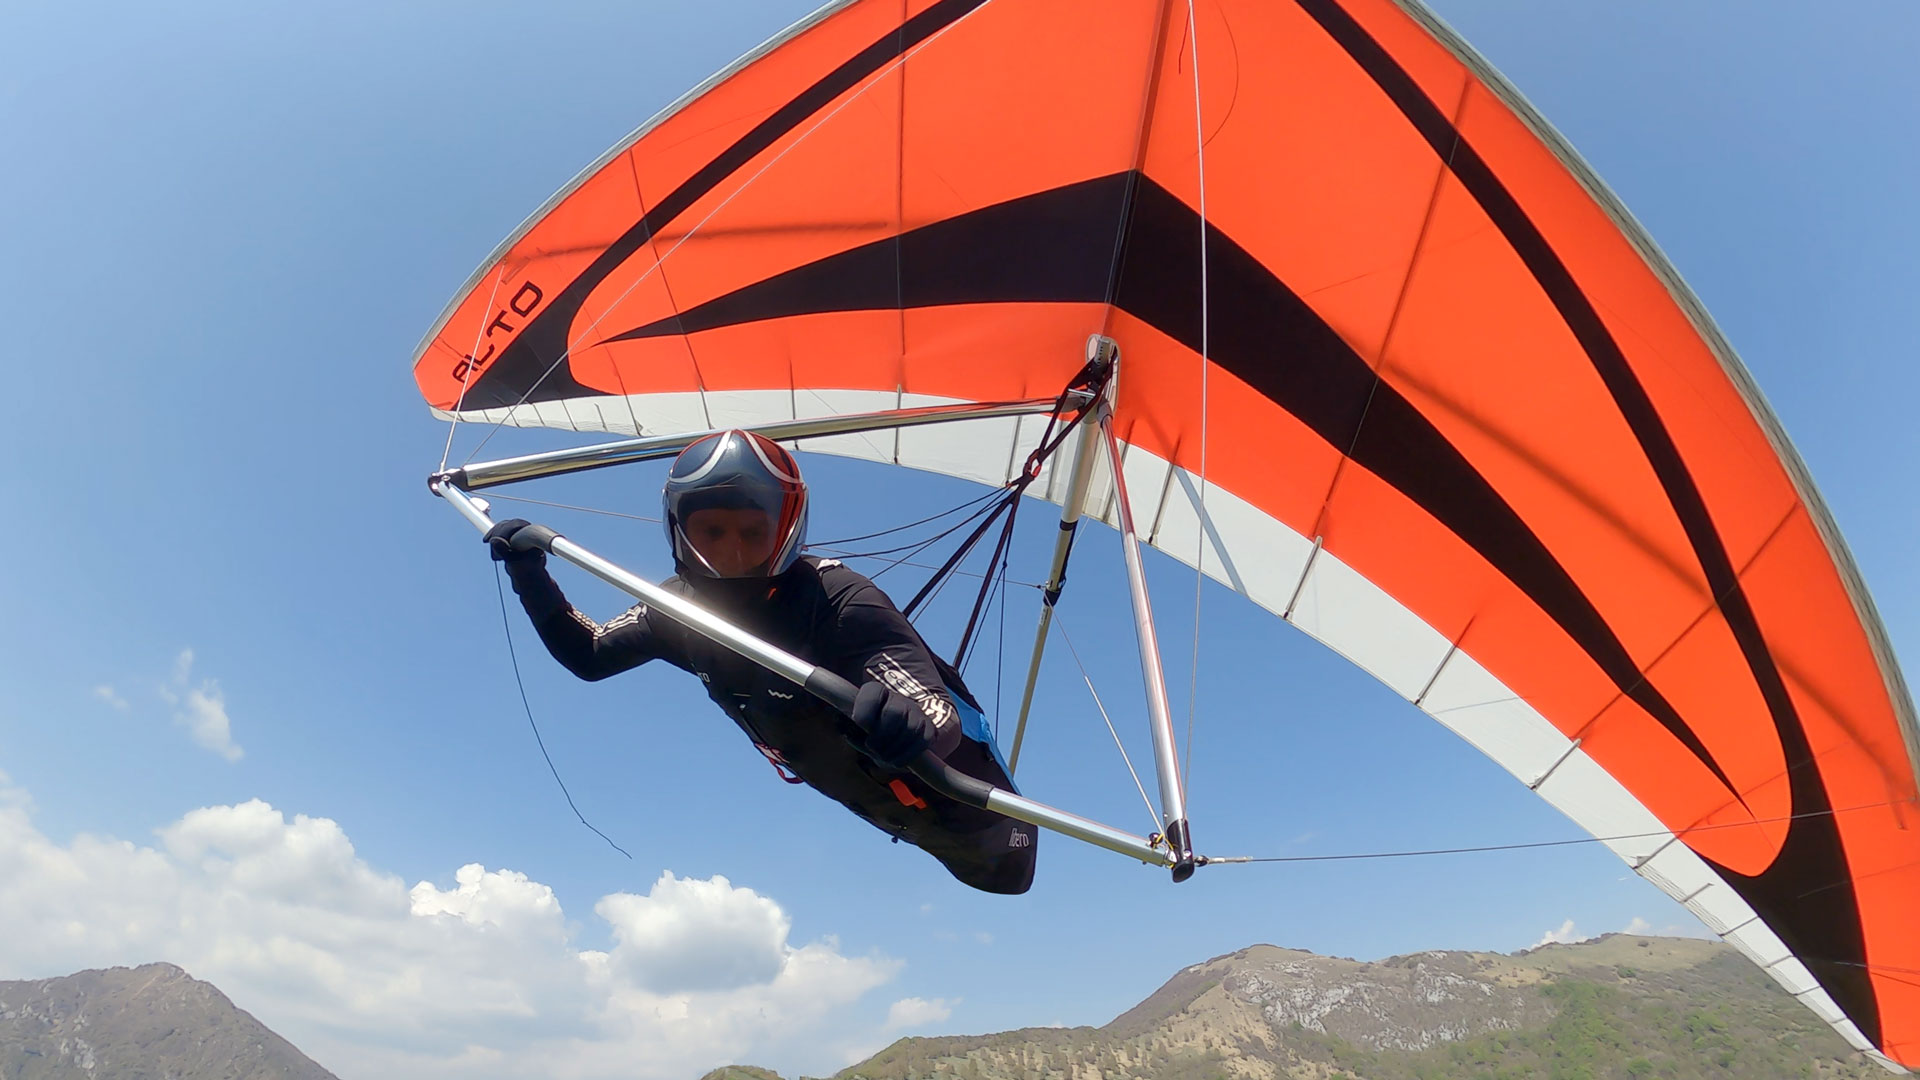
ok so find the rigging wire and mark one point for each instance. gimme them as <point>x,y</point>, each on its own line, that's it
<point>1200,540</point>
<point>1008,497</point>
<point>956,572</point>
<point>875,79</point>
<point>919,545</point>
<point>936,584</point>
<point>824,546</point>
<point>466,377</point>
<point>995,493</point>
<point>1152,814</point>
<point>506,627</point>
<point>827,547</point>
<point>1681,834</point>
<point>1009,503</point>
<point>569,506</point>
<point>940,575</point>
<point>1884,971</point>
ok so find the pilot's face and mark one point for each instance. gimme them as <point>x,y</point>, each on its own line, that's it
<point>733,542</point>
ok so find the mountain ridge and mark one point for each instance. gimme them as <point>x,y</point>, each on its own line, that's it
<point>1616,1006</point>
<point>151,1020</point>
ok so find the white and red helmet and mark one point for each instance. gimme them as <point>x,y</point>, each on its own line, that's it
<point>737,470</point>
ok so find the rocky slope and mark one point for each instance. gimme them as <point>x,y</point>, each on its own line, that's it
<point>153,1022</point>
<point>1621,1006</point>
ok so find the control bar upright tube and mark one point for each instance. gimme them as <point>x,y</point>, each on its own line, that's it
<point>1085,447</point>
<point>1166,760</point>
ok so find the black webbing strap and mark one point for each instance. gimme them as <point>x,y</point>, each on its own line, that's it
<point>997,559</point>
<point>1093,377</point>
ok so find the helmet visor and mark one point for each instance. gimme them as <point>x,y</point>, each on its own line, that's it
<point>732,512</point>
<point>731,541</point>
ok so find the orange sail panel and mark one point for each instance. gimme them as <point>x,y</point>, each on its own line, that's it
<point>1522,479</point>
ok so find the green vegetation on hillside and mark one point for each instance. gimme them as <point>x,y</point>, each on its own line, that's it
<point>1621,1031</point>
<point>1716,1020</point>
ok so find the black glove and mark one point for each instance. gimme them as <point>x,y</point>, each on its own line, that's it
<point>897,729</point>
<point>518,540</point>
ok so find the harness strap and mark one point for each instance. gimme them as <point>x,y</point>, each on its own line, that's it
<point>779,762</point>
<point>1051,439</point>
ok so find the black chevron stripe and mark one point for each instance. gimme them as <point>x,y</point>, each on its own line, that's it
<point>1054,247</point>
<point>533,367</point>
<point>1051,247</point>
<point>1822,927</point>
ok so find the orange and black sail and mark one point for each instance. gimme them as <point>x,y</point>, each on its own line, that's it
<point>1522,479</point>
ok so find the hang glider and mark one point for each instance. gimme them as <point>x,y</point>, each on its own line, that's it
<point>1396,366</point>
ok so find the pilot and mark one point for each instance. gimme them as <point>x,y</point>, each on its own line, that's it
<point>736,518</point>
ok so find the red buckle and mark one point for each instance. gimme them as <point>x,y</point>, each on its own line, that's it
<point>779,763</point>
<point>905,795</point>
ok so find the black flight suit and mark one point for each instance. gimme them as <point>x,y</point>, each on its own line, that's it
<point>833,617</point>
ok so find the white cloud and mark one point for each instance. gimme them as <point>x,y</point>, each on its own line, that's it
<point>201,709</point>
<point>204,714</point>
<point>478,978</point>
<point>916,1012</point>
<point>1563,936</point>
<point>111,696</point>
<point>1638,925</point>
<point>983,937</point>
<point>697,935</point>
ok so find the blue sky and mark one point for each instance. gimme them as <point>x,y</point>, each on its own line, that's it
<point>226,226</point>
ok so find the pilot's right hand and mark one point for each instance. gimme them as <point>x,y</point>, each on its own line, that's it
<point>897,729</point>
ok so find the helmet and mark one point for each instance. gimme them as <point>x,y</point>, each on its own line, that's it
<point>753,485</point>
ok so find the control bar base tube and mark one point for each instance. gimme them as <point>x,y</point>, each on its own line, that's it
<point>1173,803</point>
<point>830,688</point>
<point>1092,832</point>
